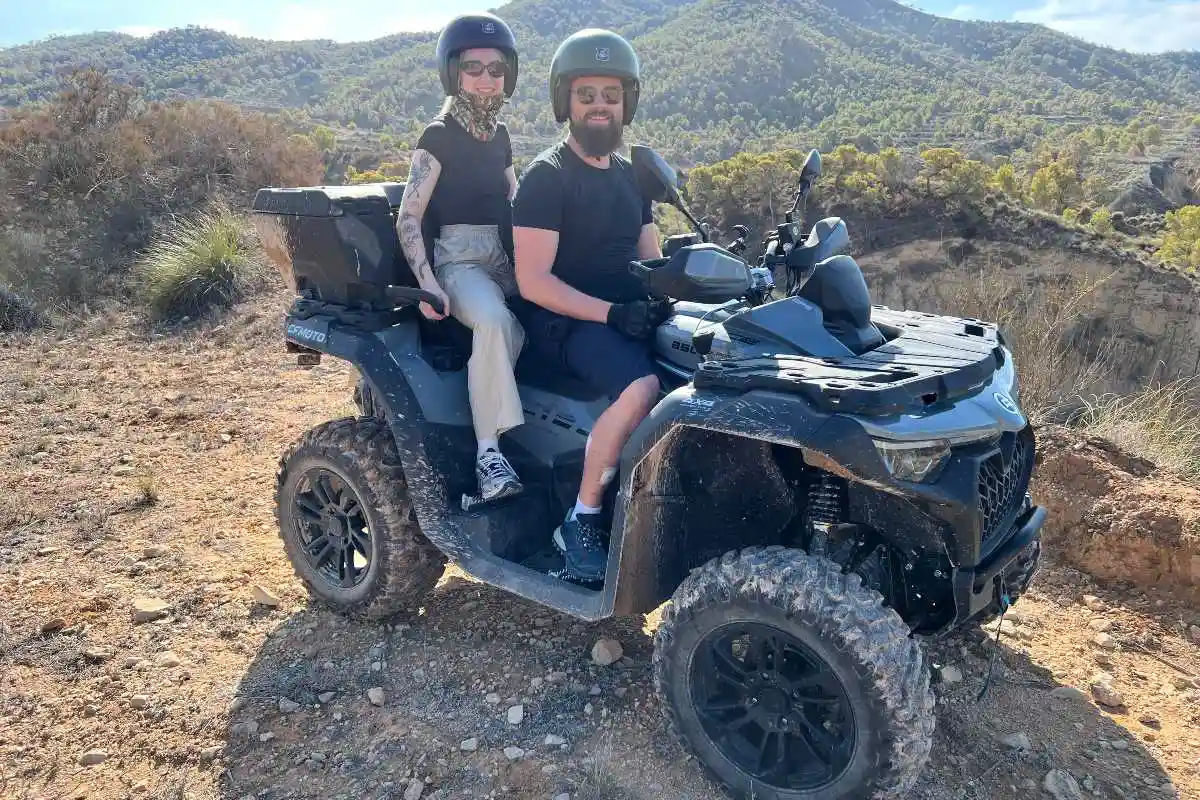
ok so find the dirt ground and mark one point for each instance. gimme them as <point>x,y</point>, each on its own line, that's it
<point>137,467</point>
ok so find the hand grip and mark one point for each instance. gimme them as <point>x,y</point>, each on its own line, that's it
<point>409,296</point>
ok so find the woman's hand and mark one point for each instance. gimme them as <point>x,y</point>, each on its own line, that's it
<point>437,291</point>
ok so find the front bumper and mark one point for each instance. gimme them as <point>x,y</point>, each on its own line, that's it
<point>979,588</point>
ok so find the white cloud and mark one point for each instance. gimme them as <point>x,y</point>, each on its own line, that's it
<point>967,12</point>
<point>325,22</point>
<point>1136,25</point>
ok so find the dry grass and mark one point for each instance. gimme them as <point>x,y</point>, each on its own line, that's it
<point>1056,366</point>
<point>206,261</point>
<point>1160,422</point>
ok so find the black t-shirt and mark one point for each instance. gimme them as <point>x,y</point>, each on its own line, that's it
<point>471,188</point>
<point>598,213</point>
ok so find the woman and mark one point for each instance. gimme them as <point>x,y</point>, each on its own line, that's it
<point>461,184</point>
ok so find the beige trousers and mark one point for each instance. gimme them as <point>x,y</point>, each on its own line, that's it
<point>472,267</point>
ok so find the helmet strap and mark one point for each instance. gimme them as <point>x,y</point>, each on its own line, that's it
<point>478,114</point>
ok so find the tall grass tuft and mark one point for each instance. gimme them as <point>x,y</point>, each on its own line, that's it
<point>1056,365</point>
<point>206,261</point>
<point>1159,422</point>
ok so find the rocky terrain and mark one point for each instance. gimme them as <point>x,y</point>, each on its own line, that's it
<point>154,642</point>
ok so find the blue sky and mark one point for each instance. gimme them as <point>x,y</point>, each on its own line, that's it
<point>1136,25</point>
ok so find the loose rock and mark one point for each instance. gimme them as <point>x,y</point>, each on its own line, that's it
<point>414,790</point>
<point>1017,741</point>
<point>210,753</point>
<point>156,551</point>
<point>1092,602</point>
<point>54,625</point>
<point>1105,693</point>
<point>553,740</point>
<point>288,706</point>
<point>244,728</point>
<point>148,609</point>
<point>469,745</point>
<point>513,753</point>
<point>1104,640</point>
<point>93,757</point>
<point>607,651</point>
<point>264,596</point>
<point>516,715</point>
<point>375,695</point>
<point>326,697</point>
<point>167,659</point>
<point>139,701</point>
<point>951,674</point>
<point>1061,785</point>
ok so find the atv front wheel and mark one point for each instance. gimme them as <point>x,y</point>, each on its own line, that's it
<point>790,681</point>
<point>347,522</point>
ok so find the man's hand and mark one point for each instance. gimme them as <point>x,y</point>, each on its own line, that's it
<point>638,319</point>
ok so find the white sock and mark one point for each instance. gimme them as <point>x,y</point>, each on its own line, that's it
<point>487,444</point>
<point>582,508</point>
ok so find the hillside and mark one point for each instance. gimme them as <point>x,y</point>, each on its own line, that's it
<point>719,74</point>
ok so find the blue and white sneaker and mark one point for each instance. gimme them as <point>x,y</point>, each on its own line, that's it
<point>581,541</point>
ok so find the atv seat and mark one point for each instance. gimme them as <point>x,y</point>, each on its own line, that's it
<point>446,345</point>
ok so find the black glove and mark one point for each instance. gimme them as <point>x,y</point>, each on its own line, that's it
<point>638,319</point>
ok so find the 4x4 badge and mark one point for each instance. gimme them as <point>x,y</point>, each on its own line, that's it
<point>1006,402</point>
<point>602,54</point>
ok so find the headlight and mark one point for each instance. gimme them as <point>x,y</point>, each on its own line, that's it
<point>922,461</point>
<point>914,461</point>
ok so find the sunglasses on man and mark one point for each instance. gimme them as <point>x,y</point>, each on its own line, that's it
<point>497,69</point>
<point>610,94</point>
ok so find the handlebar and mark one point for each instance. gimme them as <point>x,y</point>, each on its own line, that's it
<point>408,296</point>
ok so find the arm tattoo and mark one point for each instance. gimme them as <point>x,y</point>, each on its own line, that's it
<point>410,220</point>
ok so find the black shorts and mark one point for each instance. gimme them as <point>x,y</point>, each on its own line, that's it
<point>595,353</point>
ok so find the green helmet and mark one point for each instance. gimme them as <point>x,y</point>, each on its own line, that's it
<point>593,51</point>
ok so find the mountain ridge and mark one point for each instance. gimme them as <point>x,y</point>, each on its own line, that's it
<point>720,75</point>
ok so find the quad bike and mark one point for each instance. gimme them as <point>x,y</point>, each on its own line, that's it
<point>822,484</point>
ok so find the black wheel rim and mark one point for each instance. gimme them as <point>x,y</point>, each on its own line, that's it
<point>773,707</point>
<point>332,528</point>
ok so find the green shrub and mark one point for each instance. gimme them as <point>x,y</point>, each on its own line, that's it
<point>1102,221</point>
<point>206,261</point>
<point>1181,241</point>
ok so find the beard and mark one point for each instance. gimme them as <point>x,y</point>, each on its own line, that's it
<point>598,141</point>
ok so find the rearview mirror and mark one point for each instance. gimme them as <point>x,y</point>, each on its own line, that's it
<point>812,167</point>
<point>657,180</point>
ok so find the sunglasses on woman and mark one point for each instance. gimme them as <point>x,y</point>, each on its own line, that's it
<point>610,94</point>
<point>497,69</point>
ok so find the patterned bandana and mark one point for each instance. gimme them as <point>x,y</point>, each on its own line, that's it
<point>477,114</point>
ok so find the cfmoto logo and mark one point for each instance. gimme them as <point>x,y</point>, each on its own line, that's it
<point>489,28</point>
<point>307,334</point>
<point>1006,402</point>
<point>602,54</point>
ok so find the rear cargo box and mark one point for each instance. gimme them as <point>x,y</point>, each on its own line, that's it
<point>336,244</point>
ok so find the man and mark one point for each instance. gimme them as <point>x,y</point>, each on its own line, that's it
<point>578,220</point>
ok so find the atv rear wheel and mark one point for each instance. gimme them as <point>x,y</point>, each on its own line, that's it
<point>347,522</point>
<point>789,680</point>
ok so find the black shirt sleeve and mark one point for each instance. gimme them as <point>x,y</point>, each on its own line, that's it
<point>538,203</point>
<point>508,162</point>
<point>647,213</point>
<point>434,140</point>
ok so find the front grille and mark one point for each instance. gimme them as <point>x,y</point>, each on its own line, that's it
<point>1003,480</point>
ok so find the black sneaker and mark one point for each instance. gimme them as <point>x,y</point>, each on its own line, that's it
<point>582,544</point>
<point>497,478</point>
